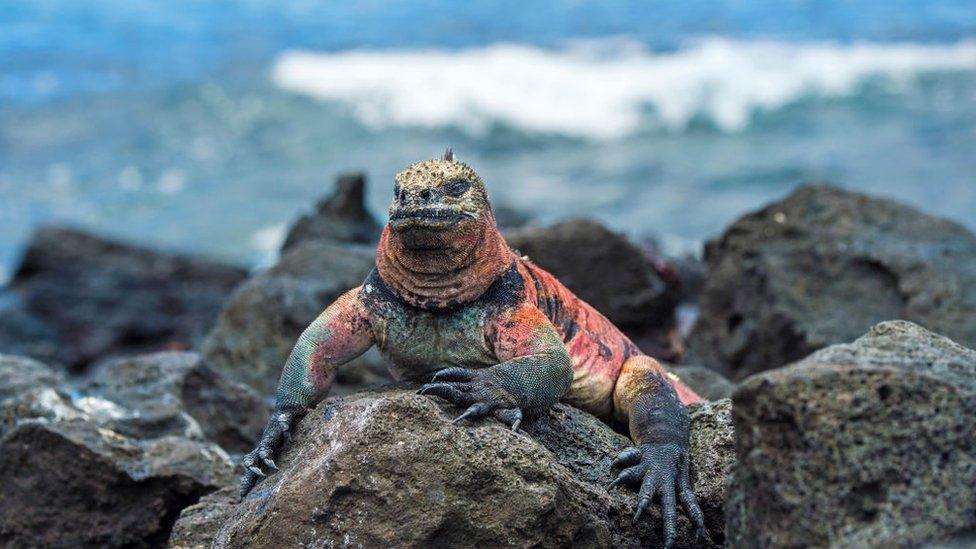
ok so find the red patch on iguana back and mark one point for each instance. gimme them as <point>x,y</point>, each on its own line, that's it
<point>597,347</point>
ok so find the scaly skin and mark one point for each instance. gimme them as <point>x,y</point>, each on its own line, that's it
<point>451,303</point>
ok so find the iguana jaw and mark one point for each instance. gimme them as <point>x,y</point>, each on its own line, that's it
<point>434,219</point>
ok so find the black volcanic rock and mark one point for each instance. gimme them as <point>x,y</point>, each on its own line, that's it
<point>867,444</point>
<point>71,480</point>
<point>342,217</point>
<point>72,484</point>
<point>96,298</point>
<point>821,267</point>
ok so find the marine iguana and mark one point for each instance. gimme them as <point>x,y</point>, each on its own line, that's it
<point>448,301</point>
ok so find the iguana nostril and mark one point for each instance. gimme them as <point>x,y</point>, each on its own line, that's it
<point>425,195</point>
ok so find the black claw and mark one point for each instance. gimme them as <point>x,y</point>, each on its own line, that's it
<point>263,456</point>
<point>448,392</point>
<point>477,409</point>
<point>629,475</point>
<point>453,374</point>
<point>642,504</point>
<point>628,457</point>
<point>688,500</point>
<point>511,416</point>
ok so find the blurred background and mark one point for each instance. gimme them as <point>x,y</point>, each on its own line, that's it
<point>206,126</point>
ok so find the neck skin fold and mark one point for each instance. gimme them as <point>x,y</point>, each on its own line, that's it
<point>464,263</point>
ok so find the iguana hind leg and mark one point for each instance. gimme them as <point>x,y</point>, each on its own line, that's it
<point>659,463</point>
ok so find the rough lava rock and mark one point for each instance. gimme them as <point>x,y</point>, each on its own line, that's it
<point>389,469</point>
<point>821,267</point>
<point>198,523</point>
<point>713,457</point>
<point>862,444</point>
<point>342,217</point>
<point>610,273</point>
<point>71,480</point>
<point>149,396</point>
<point>262,320</point>
<point>72,484</point>
<point>100,297</point>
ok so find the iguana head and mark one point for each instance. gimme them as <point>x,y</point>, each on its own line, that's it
<point>436,200</point>
<point>441,246</point>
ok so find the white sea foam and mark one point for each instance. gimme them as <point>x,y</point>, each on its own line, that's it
<point>588,91</point>
<point>267,241</point>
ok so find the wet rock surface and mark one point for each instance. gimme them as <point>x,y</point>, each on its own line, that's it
<point>388,468</point>
<point>260,323</point>
<point>610,273</point>
<point>342,217</point>
<point>862,444</point>
<point>821,267</point>
<point>31,390</point>
<point>82,297</point>
<point>19,374</point>
<point>112,464</point>
<point>161,394</point>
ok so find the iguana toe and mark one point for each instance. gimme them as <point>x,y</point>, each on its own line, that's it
<point>455,373</point>
<point>509,416</point>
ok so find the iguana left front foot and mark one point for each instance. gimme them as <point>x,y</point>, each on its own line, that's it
<point>478,391</point>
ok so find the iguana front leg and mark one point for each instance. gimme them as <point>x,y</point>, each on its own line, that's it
<point>660,427</point>
<point>533,372</point>
<point>341,333</point>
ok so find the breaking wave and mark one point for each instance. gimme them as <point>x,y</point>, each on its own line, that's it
<point>603,90</point>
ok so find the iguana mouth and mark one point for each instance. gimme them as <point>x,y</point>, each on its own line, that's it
<point>427,218</point>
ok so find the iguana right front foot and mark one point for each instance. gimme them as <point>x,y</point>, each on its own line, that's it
<point>277,431</point>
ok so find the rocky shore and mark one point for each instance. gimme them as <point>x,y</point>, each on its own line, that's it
<point>132,379</point>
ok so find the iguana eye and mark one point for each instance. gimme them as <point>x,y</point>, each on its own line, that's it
<point>457,187</point>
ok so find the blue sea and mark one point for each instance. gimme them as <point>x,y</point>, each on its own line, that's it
<point>206,126</point>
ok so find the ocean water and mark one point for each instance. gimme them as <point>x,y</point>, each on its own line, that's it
<point>207,126</point>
